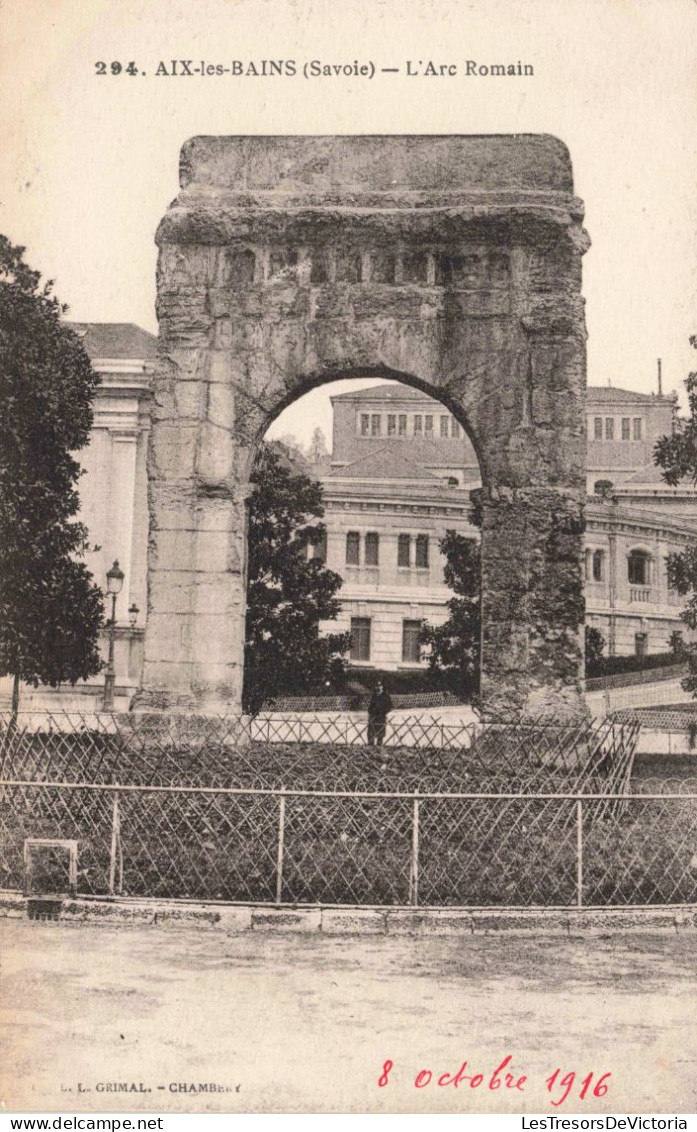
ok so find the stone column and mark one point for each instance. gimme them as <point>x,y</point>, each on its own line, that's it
<point>532,604</point>
<point>123,477</point>
<point>194,642</point>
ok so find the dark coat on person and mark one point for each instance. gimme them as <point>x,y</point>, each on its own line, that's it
<point>379,706</point>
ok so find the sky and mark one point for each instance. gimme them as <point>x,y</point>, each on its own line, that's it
<point>90,161</point>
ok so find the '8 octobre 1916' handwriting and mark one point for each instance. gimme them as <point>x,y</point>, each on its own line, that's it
<point>560,1084</point>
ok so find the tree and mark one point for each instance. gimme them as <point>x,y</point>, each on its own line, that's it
<point>605,490</point>
<point>595,643</point>
<point>295,449</point>
<point>676,455</point>
<point>317,450</point>
<point>454,646</point>
<point>290,590</point>
<point>676,644</point>
<point>50,609</point>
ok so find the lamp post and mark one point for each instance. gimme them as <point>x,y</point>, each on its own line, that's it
<point>114,582</point>
<point>133,612</point>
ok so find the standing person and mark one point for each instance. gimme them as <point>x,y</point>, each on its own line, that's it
<point>378,708</point>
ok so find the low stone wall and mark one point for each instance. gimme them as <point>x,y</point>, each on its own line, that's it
<point>364,921</point>
<point>359,700</point>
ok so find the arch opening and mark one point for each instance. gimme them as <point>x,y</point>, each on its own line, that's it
<point>395,516</point>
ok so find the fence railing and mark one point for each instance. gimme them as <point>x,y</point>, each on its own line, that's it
<point>660,673</point>
<point>513,813</point>
<point>662,719</point>
<point>315,752</point>
<point>276,846</point>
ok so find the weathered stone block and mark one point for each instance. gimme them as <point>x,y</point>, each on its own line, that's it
<point>353,921</point>
<point>286,919</point>
<point>211,551</point>
<point>172,550</point>
<point>172,453</point>
<point>552,922</point>
<point>215,455</point>
<point>215,595</point>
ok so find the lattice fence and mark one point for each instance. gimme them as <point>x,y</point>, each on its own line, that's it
<point>362,849</point>
<point>505,814</point>
<point>316,753</point>
<point>662,719</point>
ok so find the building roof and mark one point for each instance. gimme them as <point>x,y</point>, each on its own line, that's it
<point>384,463</point>
<point>596,394</point>
<point>605,394</point>
<point>630,514</point>
<point>396,392</point>
<point>116,340</point>
<point>650,474</point>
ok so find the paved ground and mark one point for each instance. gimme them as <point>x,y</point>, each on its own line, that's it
<point>293,1023</point>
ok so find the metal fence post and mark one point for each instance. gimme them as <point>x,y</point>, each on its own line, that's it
<point>281,840</point>
<point>414,866</point>
<point>115,850</point>
<point>579,853</point>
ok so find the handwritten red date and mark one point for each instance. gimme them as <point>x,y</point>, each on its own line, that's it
<point>567,1082</point>
<point>560,1084</point>
<point>497,1080</point>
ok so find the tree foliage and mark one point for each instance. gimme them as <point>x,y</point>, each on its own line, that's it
<point>317,449</point>
<point>50,609</point>
<point>595,644</point>
<point>676,455</point>
<point>454,646</point>
<point>289,591</point>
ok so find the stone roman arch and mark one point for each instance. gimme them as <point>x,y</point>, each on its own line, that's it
<point>452,263</point>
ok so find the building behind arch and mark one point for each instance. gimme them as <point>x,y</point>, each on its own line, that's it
<point>400,474</point>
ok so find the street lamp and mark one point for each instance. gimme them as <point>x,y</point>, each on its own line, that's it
<point>114,583</point>
<point>133,612</point>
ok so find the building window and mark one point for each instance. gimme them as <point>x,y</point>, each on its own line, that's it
<point>609,428</point>
<point>418,424</point>
<point>626,431</point>
<point>444,426</point>
<point>372,544</point>
<point>638,568</point>
<point>454,429</point>
<point>598,565</point>
<point>641,644</point>
<point>428,424</point>
<point>365,424</point>
<point>319,548</point>
<point>422,551</point>
<point>402,424</point>
<point>403,550</point>
<point>360,638</point>
<point>597,428</point>
<point>636,425</point>
<point>391,424</point>
<point>375,424</point>
<point>353,548</point>
<point>411,642</point>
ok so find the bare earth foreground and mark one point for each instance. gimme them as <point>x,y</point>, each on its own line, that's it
<point>306,1023</point>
